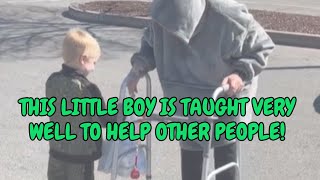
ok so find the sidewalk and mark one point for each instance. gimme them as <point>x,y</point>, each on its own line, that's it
<point>307,7</point>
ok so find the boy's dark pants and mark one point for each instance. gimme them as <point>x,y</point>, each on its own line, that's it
<point>61,170</point>
<point>191,162</point>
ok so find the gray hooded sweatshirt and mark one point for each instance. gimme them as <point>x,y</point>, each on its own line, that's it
<point>195,44</point>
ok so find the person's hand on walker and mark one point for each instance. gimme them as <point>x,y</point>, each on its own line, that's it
<point>133,80</point>
<point>132,84</point>
<point>235,83</point>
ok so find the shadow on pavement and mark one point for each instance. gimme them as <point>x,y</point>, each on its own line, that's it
<point>29,32</point>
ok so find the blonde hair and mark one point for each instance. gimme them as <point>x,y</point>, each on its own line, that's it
<point>79,43</point>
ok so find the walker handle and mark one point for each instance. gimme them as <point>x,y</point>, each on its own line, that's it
<point>219,90</point>
<point>123,87</point>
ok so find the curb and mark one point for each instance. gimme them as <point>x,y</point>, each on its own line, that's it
<point>278,37</point>
<point>295,39</point>
<point>105,18</point>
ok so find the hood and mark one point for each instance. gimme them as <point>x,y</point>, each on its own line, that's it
<point>180,17</point>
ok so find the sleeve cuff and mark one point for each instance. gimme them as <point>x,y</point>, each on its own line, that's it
<point>243,75</point>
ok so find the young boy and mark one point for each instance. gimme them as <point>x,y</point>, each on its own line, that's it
<point>74,159</point>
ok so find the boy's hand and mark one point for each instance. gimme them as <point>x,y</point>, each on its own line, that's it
<point>235,83</point>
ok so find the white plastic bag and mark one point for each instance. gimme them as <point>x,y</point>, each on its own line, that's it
<point>126,156</point>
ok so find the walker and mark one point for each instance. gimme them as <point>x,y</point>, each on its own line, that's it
<point>155,117</point>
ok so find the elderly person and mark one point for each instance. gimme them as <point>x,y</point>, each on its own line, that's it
<point>196,46</point>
